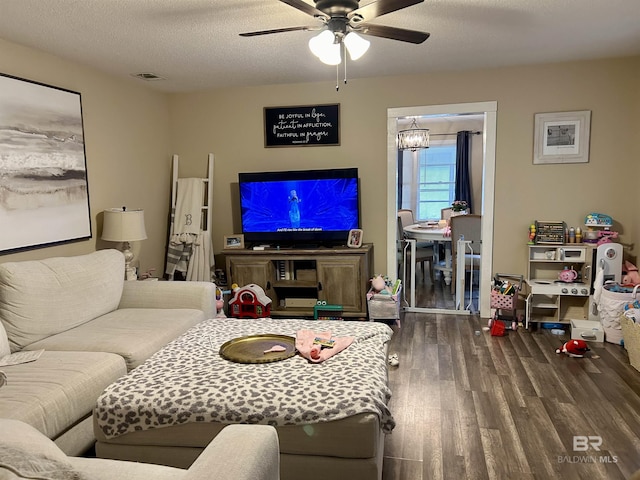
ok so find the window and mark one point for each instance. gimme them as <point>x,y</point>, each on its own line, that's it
<point>429,177</point>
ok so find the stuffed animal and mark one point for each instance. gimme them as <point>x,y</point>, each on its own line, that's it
<point>379,285</point>
<point>219,301</point>
<point>631,277</point>
<point>574,348</point>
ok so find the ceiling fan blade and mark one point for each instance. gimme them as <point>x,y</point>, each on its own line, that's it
<point>402,34</point>
<point>305,7</point>
<point>382,7</point>
<point>278,30</point>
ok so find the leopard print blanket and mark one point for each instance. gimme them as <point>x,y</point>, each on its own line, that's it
<point>188,381</point>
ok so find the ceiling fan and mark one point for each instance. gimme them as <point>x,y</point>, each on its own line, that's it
<point>342,20</point>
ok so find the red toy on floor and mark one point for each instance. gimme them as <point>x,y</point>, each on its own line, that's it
<point>574,348</point>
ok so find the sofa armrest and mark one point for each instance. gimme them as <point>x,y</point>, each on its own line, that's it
<point>158,294</point>
<point>239,452</point>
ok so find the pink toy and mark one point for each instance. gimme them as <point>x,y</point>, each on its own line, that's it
<point>631,276</point>
<point>606,236</point>
<point>219,300</point>
<point>378,285</point>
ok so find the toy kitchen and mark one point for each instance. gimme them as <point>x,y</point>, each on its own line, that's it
<point>562,266</point>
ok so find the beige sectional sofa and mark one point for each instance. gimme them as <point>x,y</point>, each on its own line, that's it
<point>93,327</point>
<point>240,452</point>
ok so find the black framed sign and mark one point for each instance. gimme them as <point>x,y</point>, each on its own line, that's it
<point>302,126</point>
<point>44,195</point>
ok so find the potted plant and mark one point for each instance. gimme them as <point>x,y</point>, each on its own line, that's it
<point>459,207</point>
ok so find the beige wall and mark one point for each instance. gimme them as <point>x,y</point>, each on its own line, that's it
<point>129,128</point>
<point>127,148</point>
<point>229,123</point>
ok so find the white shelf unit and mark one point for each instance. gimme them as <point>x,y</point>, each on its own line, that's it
<point>550,301</point>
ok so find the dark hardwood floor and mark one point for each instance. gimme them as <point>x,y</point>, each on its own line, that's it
<point>471,406</point>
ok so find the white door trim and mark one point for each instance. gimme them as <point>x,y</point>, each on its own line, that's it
<point>490,110</point>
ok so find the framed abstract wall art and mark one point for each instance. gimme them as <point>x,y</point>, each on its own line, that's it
<point>44,194</point>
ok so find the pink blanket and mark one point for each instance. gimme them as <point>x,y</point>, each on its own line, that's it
<point>316,352</point>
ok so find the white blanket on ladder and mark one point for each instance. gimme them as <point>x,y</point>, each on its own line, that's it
<point>189,247</point>
<point>188,206</point>
<point>201,259</point>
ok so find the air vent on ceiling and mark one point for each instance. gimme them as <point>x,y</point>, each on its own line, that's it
<point>148,76</point>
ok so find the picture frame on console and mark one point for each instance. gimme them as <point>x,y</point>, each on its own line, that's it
<point>562,137</point>
<point>355,238</point>
<point>232,242</point>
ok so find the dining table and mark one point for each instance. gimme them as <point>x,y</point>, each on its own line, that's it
<point>427,232</point>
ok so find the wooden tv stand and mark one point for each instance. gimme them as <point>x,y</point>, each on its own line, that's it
<point>294,279</point>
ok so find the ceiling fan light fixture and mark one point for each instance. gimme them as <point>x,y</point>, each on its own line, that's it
<point>332,55</point>
<point>321,43</point>
<point>356,45</point>
<point>414,138</point>
<point>324,47</point>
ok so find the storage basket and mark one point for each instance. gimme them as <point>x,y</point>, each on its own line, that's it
<point>383,307</point>
<point>610,307</point>
<point>503,302</point>
<point>631,335</point>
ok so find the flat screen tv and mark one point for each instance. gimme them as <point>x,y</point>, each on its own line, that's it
<point>299,208</point>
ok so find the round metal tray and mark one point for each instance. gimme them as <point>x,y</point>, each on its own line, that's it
<point>251,348</point>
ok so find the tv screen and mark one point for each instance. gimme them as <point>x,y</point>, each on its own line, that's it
<point>306,207</point>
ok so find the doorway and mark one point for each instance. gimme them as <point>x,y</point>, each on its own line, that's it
<point>489,112</point>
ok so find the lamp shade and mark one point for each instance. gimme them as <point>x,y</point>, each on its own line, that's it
<point>319,44</point>
<point>356,45</point>
<point>325,48</point>
<point>122,225</point>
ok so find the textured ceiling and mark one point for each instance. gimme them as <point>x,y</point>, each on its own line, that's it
<point>194,44</point>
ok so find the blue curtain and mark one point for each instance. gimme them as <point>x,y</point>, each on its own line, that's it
<point>463,171</point>
<point>400,179</point>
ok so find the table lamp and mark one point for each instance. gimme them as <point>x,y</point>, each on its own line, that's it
<point>122,225</point>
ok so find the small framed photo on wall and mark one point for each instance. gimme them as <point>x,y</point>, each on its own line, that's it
<point>233,241</point>
<point>355,238</point>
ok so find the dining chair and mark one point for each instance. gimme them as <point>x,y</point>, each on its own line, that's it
<point>424,250</point>
<point>445,213</point>
<point>469,227</point>
<point>406,215</point>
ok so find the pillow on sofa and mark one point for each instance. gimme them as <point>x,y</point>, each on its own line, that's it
<point>41,298</point>
<point>17,463</point>
<point>4,343</point>
<point>4,350</point>
<point>27,453</point>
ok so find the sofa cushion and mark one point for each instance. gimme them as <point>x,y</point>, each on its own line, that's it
<point>40,298</point>
<point>4,342</point>
<point>58,389</point>
<point>22,464</point>
<point>122,330</point>
<point>26,453</point>
<point>102,469</point>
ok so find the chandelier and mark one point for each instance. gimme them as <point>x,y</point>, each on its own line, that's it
<point>414,138</point>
